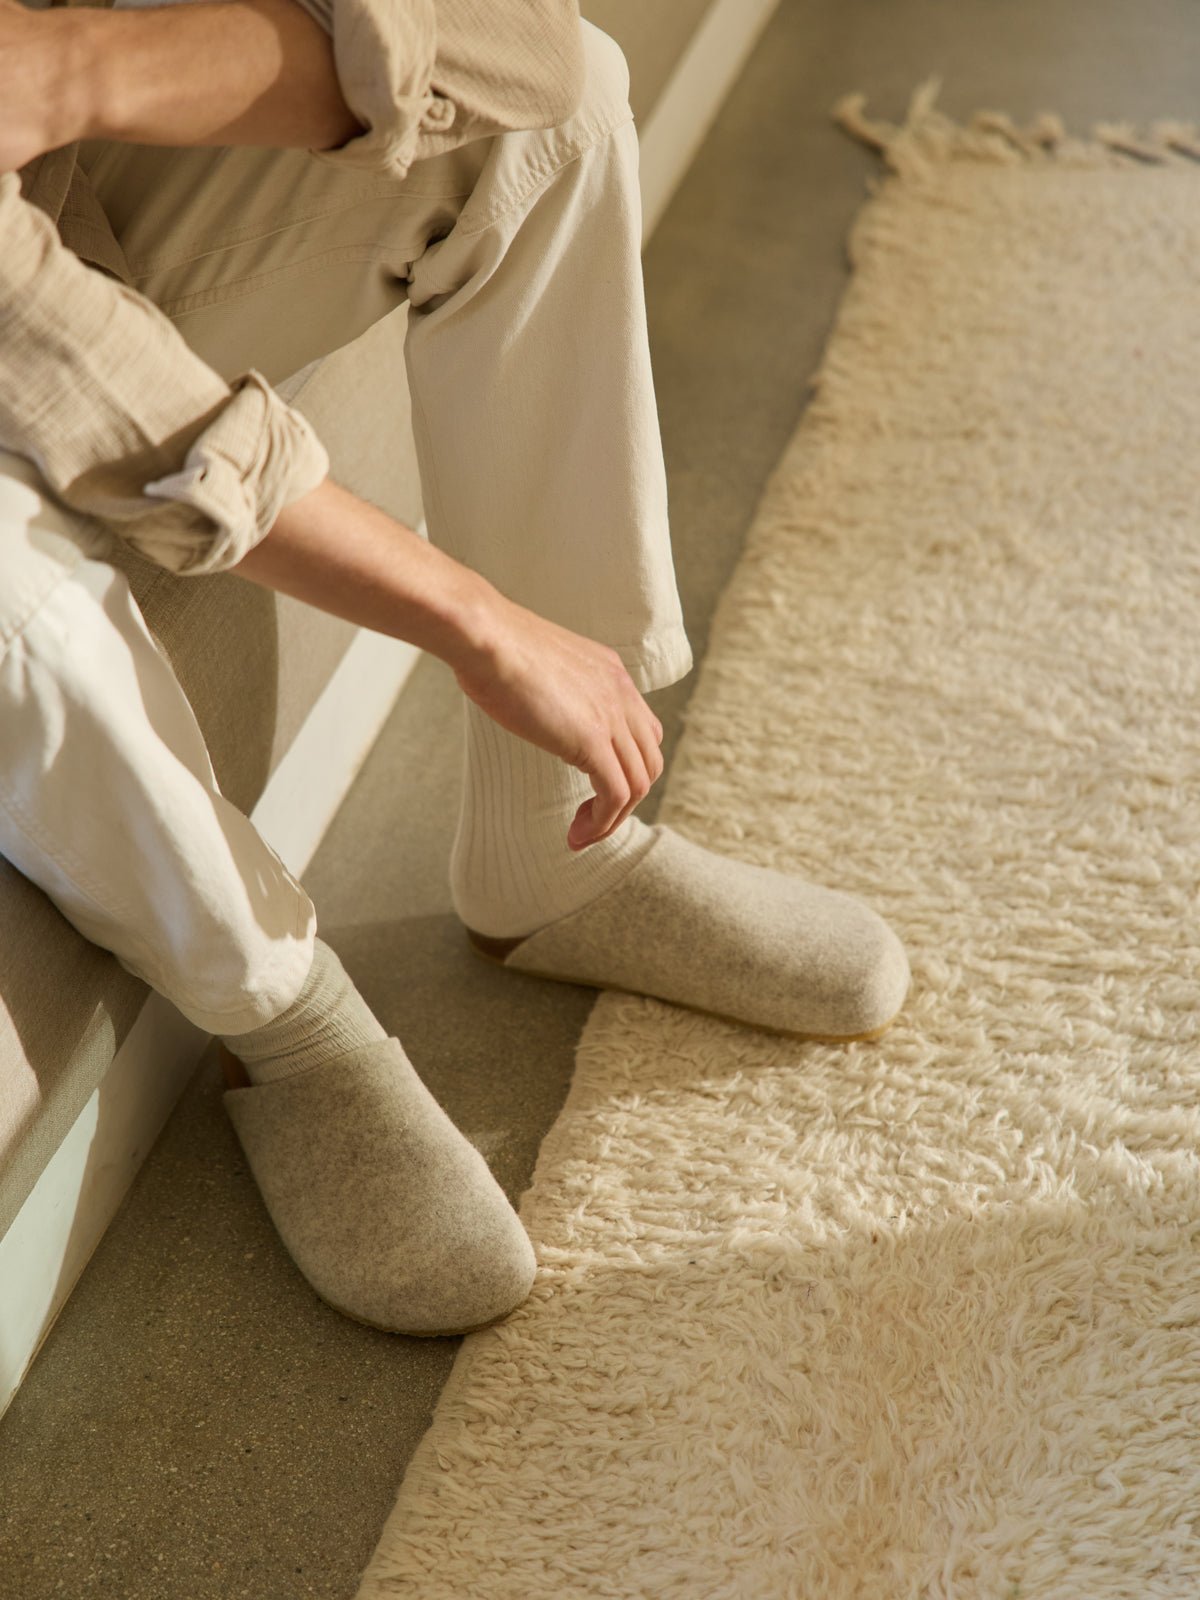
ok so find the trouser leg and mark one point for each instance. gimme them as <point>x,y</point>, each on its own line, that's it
<point>533,398</point>
<point>108,800</point>
<point>527,355</point>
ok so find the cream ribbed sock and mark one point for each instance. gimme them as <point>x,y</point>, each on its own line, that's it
<point>511,869</point>
<point>327,1019</point>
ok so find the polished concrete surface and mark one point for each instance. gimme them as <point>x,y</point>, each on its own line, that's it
<point>199,1425</point>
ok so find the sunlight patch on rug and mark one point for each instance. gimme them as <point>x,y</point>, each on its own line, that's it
<point>919,1317</point>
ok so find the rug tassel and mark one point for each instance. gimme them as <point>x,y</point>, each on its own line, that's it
<point>927,136</point>
<point>1182,137</point>
<point>1043,136</point>
<point>924,132</point>
<point>848,114</point>
<point>1123,137</point>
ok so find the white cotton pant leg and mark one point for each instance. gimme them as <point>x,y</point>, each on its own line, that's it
<point>107,796</point>
<point>534,412</point>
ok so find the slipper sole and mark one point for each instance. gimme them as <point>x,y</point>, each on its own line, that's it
<point>700,1011</point>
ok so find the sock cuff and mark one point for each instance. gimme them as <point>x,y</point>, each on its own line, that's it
<point>511,869</point>
<point>328,1018</point>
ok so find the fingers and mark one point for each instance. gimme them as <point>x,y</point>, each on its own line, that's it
<point>649,736</point>
<point>613,794</point>
<point>637,775</point>
<point>581,832</point>
<point>623,772</point>
<point>634,786</point>
<point>644,761</point>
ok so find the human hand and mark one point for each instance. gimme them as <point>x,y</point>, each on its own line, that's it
<point>562,692</point>
<point>39,84</point>
<point>572,697</point>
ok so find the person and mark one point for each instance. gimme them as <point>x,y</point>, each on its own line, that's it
<point>196,201</point>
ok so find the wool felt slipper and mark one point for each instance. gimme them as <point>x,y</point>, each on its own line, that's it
<point>738,941</point>
<point>389,1211</point>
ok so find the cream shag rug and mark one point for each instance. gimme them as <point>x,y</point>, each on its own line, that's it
<point>919,1317</point>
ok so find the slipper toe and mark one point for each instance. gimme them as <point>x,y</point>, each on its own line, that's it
<point>389,1211</point>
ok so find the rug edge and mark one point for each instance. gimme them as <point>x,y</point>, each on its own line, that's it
<point>928,138</point>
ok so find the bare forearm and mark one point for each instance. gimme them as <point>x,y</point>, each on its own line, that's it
<point>564,693</point>
<point>234,72</point>
<point>343,555</point>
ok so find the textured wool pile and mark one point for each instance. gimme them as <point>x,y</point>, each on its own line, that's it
<point>919,1317</point>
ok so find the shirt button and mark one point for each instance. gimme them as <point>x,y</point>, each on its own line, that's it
<point>439,114</point>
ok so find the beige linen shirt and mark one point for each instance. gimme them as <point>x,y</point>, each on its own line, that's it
<point>125,423</point>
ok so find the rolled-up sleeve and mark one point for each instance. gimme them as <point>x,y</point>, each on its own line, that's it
<point>423,80</point>
<point>384,52</point>
<point>128,426</point>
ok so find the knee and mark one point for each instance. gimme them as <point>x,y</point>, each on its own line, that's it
<point>599,85</point>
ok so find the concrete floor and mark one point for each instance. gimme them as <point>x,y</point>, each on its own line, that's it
<point>199,1425</point>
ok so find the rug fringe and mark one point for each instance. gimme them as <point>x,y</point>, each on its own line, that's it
<point>929,138</point>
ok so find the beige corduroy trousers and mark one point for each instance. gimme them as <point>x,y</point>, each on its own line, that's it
<point>541,467</point>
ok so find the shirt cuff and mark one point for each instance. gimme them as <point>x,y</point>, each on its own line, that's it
<point>384,56</point>
<point>101,392</point>
<point>257,456</point>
